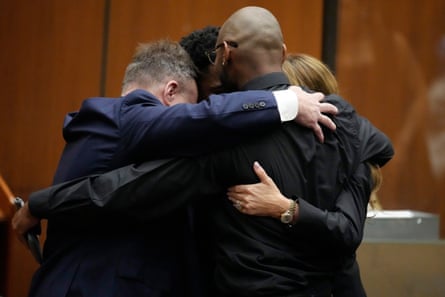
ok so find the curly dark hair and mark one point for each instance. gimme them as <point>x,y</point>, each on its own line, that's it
<point>198,42</point>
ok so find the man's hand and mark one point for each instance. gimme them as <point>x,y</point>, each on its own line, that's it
<point>261,199</point>
<point>310,111</point>
<point>22,222</point>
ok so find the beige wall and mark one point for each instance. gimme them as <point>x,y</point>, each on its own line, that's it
<point>403,269</point>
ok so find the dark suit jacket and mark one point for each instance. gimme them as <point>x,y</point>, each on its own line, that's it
<point>113,256</point>
<point>296,258</point>
<point>108,133</point>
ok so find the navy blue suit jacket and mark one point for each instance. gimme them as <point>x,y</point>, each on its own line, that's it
<point>117,256</point>
<point>108,133</point>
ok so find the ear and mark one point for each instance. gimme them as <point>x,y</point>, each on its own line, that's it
<point>284,50</point>
<point>226,53</point>
<point>169,92</point>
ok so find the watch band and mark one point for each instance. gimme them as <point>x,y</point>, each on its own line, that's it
<point>288,216</point>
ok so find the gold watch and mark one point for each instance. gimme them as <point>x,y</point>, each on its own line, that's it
<point>288,216</point>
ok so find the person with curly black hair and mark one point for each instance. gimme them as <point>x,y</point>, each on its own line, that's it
<point>199,44</point>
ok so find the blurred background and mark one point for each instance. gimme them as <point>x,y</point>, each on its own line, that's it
<point>389,58</point>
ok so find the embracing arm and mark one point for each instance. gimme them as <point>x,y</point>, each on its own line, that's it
<point>220,121</point>
<point>192,129</point>
<point>341,227</point>
<point>376,147</point>
<point>143,192</point>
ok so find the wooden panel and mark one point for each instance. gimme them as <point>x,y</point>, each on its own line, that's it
<point>51,61</point>
<point>387,62</point>
<point>51,55</point>
<point>3,254</point>
<point>135,21</point>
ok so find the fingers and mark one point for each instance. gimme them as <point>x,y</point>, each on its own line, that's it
<point>234,190</point>
<point>318,96</point>
<point>328,108</point>
<point>238,204</point>
<point>318,133</point>
<point>15,223</point>
<point>18,232</point>
<point>262,176</point>
<point>261,173</point>
<point>233,199</point>
<point>327,122</point>
<point>23,221</point>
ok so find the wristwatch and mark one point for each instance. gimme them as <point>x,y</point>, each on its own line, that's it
<point>288,216</point>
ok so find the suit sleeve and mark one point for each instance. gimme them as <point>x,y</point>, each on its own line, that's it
<point>146,191</point>
<point>191,129</point>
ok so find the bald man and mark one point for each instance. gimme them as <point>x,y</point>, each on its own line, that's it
<point>253,256</point>
<point>248,49</point>
<point>250,43</point>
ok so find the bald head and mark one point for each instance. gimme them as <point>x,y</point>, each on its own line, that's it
<point>253,46</point>
<point>253,27</point>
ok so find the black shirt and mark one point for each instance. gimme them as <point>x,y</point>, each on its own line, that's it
<point>260,256</point>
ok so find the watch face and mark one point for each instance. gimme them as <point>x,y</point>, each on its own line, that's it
<point>286,218</point>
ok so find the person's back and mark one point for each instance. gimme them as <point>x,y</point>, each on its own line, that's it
<point>262,256</point>
<point>117,256</point>
<point>305,70</point>
<point>269,257</point>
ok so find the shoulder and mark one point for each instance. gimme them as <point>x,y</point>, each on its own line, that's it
<point>98,104</point>
<point>138,97</point>
<point>342,104</point>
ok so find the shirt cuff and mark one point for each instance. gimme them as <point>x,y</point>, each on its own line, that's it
<point>287,103</point>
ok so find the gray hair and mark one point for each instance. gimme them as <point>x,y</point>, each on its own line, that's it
<point>157,61</point>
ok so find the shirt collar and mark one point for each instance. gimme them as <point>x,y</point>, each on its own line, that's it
<point>267,81</point>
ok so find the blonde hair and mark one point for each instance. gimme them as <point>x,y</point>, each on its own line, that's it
<point>377,179</point>
<point>304,70</point>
